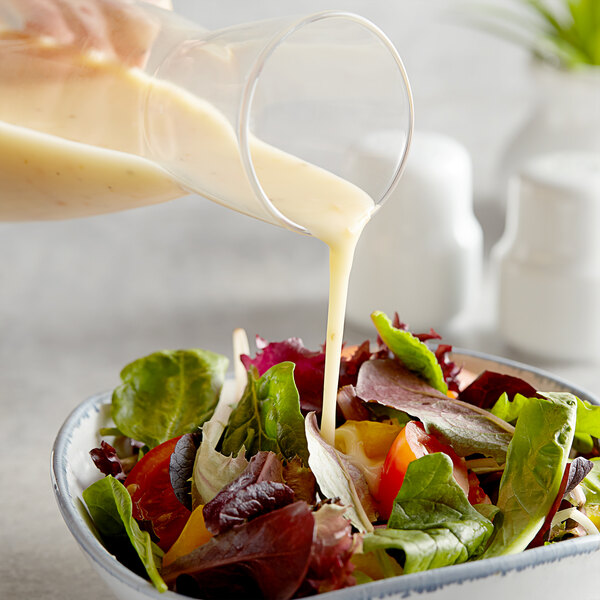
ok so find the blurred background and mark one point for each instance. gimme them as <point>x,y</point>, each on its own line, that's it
<point>80,299</point>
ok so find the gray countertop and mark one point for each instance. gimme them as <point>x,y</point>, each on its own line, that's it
<point>80,299</point>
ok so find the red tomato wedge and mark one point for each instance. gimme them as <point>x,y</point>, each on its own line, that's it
<point>152,495</point>
<point>412,443</point>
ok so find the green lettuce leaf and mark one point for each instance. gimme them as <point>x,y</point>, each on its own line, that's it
<point>213,470</point>
<point>411,351</point>
<point>268,416</point>
<point>432,523</point>
<point>535,464</point>
<point>167,394</point>
<point>109,505</point>
<point>588,417</point>
<point>339,478</point>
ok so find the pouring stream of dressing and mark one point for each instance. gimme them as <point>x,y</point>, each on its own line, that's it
<point>72,145</point>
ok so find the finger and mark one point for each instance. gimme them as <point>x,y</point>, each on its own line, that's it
<point>40,18</point>
<point>131,31</point>
<point>87,24</point>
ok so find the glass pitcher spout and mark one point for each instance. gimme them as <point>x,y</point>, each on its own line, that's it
<point>312,87</point>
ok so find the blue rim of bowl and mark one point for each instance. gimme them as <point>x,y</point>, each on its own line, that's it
<point>415,583</point>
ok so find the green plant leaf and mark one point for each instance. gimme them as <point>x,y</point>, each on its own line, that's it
<point>588,415</point>
<point>109,505</point>
<point>339,478</point>
<point>535,464</point>
<point>432,523</point>
<point>411,351</point>
<point>213,470</point>
<point>268,416</point>
<point>565,32</point>
<point>167,394</point>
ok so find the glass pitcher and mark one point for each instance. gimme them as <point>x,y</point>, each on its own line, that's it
<point>234,115</point>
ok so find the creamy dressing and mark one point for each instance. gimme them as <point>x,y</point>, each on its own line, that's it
<point>71,145</point>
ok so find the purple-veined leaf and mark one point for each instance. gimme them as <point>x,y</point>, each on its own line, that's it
<point>467,428</point>
<point>267,557</point>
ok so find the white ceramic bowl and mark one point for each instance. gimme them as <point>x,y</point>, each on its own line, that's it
<point>549,572</point>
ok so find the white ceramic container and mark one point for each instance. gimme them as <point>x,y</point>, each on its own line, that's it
<point>421,254</point>
<point>547,264</point>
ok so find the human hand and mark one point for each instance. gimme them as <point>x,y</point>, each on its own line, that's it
<point>118,29</point>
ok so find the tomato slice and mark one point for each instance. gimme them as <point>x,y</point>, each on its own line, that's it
<point>152,495</point>
<point>412,443</point>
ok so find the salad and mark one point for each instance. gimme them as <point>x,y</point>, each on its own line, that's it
<point>236,494</point>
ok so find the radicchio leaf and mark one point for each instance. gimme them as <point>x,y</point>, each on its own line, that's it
<point>269,555</point>
<point>308,373</point>
<point>578,471</point>
<point>450,369</point>
<point>466,428</point>
<point>489,386</point>
<point>106,459</point>
<point>181,467</point>
<point>258,490</point>
<point>310,367</point>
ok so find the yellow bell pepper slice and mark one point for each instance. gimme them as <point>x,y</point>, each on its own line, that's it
<point>193,535</point>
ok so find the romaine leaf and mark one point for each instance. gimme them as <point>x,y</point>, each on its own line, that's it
<point>267,557</point>
<point>411,351</point>
<point>467,428</point>
<point>268,416</point>
<point>109,504</point>
<point>536,460</point>
<point>432,523</point>
<point>588,422</point>
<point>575,473</point>
<point>167,394</point>
<point>339,478</point>
<point>588,415</point>
<point>542,535</point>
<point>509,410</point>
